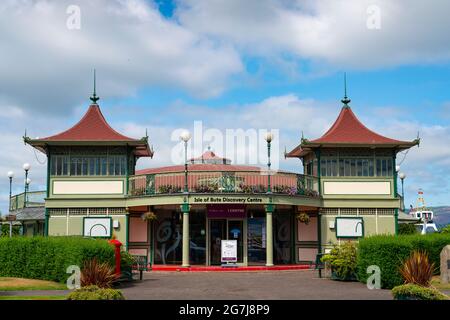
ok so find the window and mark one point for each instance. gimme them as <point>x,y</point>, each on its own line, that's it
<point>356,167</point>
<point>88,165</point>
<point>384,167</point>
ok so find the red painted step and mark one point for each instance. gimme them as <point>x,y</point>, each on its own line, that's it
<point>228,269</point>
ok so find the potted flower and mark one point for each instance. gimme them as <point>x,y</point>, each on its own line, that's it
<point>149,216</point>
<point>303,217</point>
<point>342,259</point>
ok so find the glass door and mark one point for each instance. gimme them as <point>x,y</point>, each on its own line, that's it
<point>217,229</point>
<point>235,232</point>
<point>223,229</point>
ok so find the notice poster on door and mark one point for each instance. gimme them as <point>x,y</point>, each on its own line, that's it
<point>229,251</point>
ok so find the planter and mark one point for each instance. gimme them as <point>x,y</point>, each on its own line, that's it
<point>351,277</point>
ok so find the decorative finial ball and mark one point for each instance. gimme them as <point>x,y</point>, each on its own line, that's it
<point>185,136</point>
<point>269,136</point>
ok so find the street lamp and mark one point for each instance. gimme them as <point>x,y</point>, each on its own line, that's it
<point>402,177</point>
<point>185,136</point>
<point>26,167</point>
<point>268,137</point>
<point>10,176</point>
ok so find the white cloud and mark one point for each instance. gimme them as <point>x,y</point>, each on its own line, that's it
<point>328,31</point>
<point>48,67</point>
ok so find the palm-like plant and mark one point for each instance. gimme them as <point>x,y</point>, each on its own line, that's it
<point>417,269</point>
<point>98,274</point>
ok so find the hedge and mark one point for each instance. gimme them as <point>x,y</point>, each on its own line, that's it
<point>414,292</point>
<point>389,252</point>
<point>47,258</point>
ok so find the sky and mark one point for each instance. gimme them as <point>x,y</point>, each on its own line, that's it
<point>163,66</point>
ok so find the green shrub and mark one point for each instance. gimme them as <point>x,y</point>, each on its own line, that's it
<point>445,229</point>
<point>415,292</point>
<point>95,293</point>
<point>342,259</point>
<point>406,228</point>
<point>389,253</point>
<point>47,258</point>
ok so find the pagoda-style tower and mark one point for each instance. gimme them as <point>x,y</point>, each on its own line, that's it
<point>88,167</point>
<point>357,177</point>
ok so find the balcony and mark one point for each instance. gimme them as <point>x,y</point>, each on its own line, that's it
<point>34,199</point>
<point>223,182</point>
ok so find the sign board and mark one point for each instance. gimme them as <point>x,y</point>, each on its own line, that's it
<point>10,217</point>
<point>229,251</point>
<point>349,227</point>
<point>224,211</point>
<point>99,227</point>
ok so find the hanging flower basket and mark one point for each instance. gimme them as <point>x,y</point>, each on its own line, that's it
<point>303,217</point>
<point>149,216</point>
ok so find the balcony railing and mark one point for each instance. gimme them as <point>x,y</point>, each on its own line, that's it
<point>34,199</point>
<point>223,182</point>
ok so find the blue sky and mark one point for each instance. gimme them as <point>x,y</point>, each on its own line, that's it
<point>162,65</point>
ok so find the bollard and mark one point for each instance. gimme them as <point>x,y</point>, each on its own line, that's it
<point>117,244</point>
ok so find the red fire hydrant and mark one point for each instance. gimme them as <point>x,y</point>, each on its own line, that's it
<point>117,244</point>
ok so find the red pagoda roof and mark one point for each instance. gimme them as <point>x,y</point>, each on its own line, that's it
<point>348,130</point>
<point>92,127</point>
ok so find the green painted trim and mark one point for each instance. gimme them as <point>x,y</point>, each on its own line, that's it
<point>396,221</point>
<point>47,220</point>
<point>99,217</point>
<point>348,218</point>
<point>127,232</point>
<point>317,152</point>
<point>319,232</point>
<point>394,163</point>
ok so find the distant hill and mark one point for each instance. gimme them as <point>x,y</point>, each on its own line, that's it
<point>441,215</point>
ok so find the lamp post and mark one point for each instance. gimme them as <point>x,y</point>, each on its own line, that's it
<point>26,167</point>
<point>269,208</point>
<point>185,137</point>
<point>10,176</point>
<point>402,177</point>
<point>268,137</point>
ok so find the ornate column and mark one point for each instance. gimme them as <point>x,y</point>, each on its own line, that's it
<point>185,212</point>
<point>269,234</point>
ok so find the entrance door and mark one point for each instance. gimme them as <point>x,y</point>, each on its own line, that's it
<point>223,229</point>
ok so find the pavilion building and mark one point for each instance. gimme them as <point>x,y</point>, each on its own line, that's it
<point>348,190</point>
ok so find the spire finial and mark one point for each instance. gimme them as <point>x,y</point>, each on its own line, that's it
<point>346,100</point>
<point>94,97</point>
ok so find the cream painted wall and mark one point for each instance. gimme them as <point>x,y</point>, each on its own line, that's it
<point>87,187</point>
<point>357,188</point>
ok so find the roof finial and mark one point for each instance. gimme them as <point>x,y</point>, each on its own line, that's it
<point>346,100</point>
<point>94,97</point>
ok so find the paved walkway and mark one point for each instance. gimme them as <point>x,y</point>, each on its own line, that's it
<point>302,284</point>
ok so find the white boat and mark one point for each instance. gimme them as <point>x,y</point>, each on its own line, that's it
<point>424,214</point>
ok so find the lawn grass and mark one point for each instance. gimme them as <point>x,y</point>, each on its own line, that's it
<point>19,284</point>
<point>436,282</point>
<point>32,297</point>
